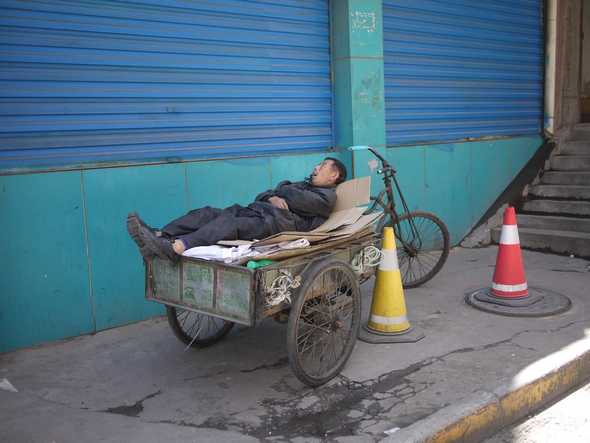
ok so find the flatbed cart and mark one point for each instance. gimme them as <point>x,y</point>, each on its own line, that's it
<point>316,292</point>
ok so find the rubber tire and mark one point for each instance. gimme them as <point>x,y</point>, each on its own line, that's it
<point>187,339</point>
<point>446,244</point>
<point>310,274</point>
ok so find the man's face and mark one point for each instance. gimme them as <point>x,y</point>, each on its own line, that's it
<point>325,174</point>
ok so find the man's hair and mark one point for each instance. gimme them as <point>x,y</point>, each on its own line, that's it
<point>340,167</point>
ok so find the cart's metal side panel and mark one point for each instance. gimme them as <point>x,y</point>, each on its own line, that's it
<point>233,295</point>
<point>266,279</point>
<point>347,252</point>
<point>165,280</point>
<point>236,293</point>
<point>211,288</point>
<point>197,286</point>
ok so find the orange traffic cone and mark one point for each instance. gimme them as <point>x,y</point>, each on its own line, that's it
<point>509,280</point>
<point>510,294</point>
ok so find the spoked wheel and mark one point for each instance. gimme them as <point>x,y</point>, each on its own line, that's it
<point>196,329</point>
<point>323,322</point>
<point>422,246</point>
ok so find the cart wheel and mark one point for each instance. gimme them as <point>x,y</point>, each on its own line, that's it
<point>323,322</point>
<point>198,330</point>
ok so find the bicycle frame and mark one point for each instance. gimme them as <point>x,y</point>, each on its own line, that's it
<point>389,205</point>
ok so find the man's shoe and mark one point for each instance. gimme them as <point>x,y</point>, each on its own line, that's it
<point>158,245</point>
<point>134,224</point>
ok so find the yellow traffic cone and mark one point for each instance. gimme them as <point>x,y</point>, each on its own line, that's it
<point>388,320</point>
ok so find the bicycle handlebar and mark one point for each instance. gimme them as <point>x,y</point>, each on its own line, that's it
<point>373,151</point>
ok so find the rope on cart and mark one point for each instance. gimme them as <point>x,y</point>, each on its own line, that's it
<point>367,258</point>
<point>280,288</point>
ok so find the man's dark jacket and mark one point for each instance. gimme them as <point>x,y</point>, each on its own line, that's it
<point>309,206</point>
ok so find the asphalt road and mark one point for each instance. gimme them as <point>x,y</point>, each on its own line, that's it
<point>138,384</point>
<point>568,420</point>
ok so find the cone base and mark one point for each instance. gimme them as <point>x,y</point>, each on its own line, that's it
<point>540,303</point>
<point>410,335</point>
<point>490,297</point>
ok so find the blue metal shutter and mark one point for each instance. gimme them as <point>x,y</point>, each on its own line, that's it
<point>462,69</point>
<point>101,81</point>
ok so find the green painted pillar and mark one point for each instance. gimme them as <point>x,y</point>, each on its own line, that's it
<point>357,70</point>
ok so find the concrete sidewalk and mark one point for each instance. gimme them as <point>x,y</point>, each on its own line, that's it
<point>471,374</point>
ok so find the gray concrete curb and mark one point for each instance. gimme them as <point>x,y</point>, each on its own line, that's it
<point>485,413</point>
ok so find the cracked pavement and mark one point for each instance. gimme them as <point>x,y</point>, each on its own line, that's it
<point>137,383</point>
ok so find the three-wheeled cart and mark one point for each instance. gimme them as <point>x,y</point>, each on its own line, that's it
<point>315,290</point>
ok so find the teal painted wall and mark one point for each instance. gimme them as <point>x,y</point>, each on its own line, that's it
<point>68,266</point>
<point>157,193</point>
<point>44,284</point>
<point>456,181</point>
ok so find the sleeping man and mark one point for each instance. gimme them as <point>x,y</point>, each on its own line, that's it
<point>300,206</point>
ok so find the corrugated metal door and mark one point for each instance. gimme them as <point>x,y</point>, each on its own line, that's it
<point>461,69</point>
<point>86,80</point>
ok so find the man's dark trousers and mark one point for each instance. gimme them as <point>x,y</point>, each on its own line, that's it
<point>206,226</point>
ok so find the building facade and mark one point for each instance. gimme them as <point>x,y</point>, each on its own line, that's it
<point>161,106</point>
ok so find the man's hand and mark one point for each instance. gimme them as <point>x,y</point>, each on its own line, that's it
<point>278,202</point>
